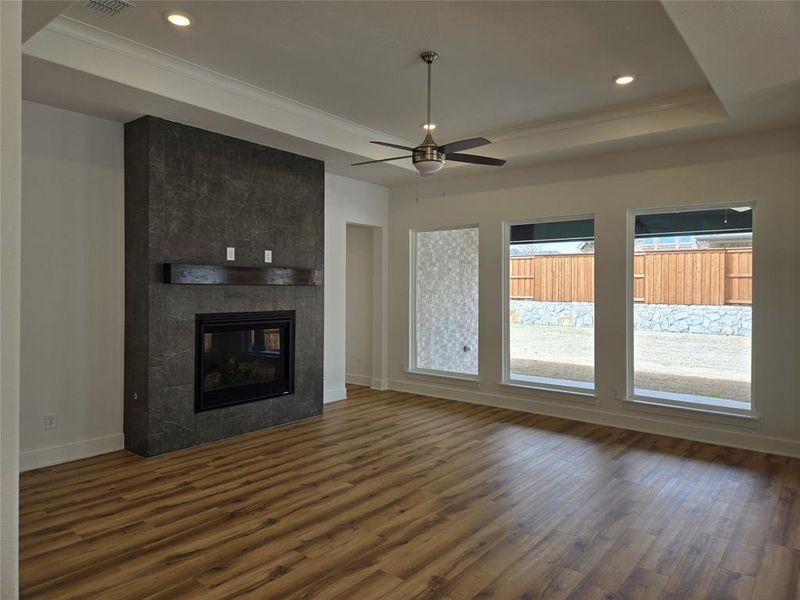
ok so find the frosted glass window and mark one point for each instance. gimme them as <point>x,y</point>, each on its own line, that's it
<point>445,273</point>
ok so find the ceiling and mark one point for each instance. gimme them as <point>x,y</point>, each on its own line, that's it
<point>323,78</point>
<point>36,15</point>
<point>502,64</point>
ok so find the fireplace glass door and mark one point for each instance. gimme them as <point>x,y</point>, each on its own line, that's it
<point>243,357</point>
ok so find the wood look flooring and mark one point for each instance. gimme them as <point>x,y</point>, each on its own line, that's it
<point>391,495</point>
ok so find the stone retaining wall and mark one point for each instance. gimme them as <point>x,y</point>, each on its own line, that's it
<point>677,318</point>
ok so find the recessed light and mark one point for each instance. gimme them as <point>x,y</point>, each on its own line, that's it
<point>429,126</point>
<point>178,19</point>
<point>624,79</point>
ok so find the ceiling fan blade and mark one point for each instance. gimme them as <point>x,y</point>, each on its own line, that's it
<point>476,160</point>
<point>393,146</point>
<point>463,145</point>
<point>369,162</point>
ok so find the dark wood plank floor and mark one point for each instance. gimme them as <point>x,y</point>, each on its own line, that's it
<point>391,495</point>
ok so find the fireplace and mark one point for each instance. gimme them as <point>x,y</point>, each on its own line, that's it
<point>184,204</point>
<point>243,357</point>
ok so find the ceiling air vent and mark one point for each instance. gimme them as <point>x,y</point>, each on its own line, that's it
<point>108,8</point>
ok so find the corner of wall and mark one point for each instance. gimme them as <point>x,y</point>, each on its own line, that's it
<point>333,395</point>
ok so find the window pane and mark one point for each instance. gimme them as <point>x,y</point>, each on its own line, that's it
<point>692,308</point>
<point>551,306</point>
<point>446,287</point>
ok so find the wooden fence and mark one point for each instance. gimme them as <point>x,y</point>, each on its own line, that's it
<point>712,277</point>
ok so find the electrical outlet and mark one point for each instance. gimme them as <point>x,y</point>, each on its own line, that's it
<point>50,421</point>
<point>267,256</point>
<point>230,253</point>
<point>615,393</point>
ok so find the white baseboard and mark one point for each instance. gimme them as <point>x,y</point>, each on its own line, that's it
<point>333,395</point>
<point>55,455</point>
<point>745,439</point>
<point>358,379</point>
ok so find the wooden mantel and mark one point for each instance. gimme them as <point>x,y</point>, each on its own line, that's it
<point>183,273</point>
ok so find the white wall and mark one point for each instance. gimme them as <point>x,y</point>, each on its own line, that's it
<point>763,169</point>
<point>358,332</point>
<point>10,100</point>
<point>72,285</point>
<point>355,202</point>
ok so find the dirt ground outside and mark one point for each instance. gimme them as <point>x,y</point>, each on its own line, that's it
<point>717,366</point>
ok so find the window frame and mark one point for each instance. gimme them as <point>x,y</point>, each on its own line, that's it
<point>663,400</point>
<point>506,379</point>
<point>411,367</point>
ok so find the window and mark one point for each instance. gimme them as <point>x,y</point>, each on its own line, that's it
<point>445,301</point>
<point>691,308</point>
<point>550,304</point>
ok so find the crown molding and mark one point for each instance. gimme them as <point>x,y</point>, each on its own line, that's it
<point>611,127</point>
<point>696,98</point>
<point>112,42</point>
<point>595,129</point>
<point>110,57</point>
<point>79,46</point>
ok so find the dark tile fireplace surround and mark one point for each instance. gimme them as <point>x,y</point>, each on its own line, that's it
<point>204,362</point>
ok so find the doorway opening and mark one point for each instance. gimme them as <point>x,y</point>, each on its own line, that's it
<point>363,284</point>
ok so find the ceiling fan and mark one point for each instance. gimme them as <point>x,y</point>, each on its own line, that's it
<point>429,157</point>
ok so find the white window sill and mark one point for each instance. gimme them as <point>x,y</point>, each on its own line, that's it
<point>668,406</point>
<point>470,380</point>
<point>573,394</point>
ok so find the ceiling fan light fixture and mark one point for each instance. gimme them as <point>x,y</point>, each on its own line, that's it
<point>428,167</point>
<point>428,126</point>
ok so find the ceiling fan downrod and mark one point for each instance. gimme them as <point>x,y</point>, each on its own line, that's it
<point>426,157</point>
<point>429,58</point>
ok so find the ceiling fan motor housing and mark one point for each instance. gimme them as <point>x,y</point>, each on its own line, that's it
<point>426,157</point>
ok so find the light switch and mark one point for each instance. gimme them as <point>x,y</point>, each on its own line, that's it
<point>231,252</point>
<point>267,256</point>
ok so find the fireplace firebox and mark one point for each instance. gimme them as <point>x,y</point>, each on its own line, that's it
<point>243,357</point>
